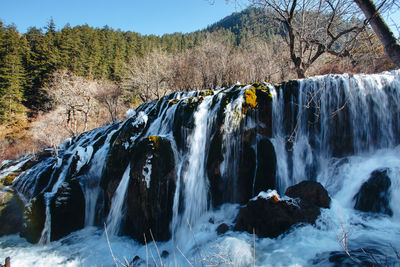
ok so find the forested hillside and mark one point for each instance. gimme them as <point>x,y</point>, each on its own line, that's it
<point>105,71</point>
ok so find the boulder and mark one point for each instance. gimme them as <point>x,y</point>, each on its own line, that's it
<point>222,228</point>
<point>270,216</point>
<point>310,191</point>
<point>374,194</point>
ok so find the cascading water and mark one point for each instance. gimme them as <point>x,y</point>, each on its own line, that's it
<point>231,144</point>
<point>194,177</point>
<point>335,129</point>
<point>117,204</point>
<point>335,115</point>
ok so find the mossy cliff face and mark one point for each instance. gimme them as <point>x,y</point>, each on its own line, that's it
<point>155,141</point>
<point>151,189</point>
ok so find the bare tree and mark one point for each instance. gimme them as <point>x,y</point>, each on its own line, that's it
<point>109,95</point>
<point>48,129</point>
<point>390,44</point>
<point>313,28</point>
<point>75,95</point>
<point>148,76</point>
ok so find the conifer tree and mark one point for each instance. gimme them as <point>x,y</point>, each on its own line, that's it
<point>12,75</point>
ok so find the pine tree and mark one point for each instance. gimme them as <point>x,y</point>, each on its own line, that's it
<point>12,76</point>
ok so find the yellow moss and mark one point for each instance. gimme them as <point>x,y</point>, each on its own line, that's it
<point>206,93</point>
<point>250,97</point>
<point>9,179</point>
<point>173,101</point>
<point>155,140</point>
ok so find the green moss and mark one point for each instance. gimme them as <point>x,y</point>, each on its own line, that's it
<point>5,197</point>
<point>8,180</point>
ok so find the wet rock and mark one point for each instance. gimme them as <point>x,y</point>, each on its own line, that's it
<point>67,210</point>
<point>11,212</point>
<point>151,190</point>
<point>214,161</point>
<point>137,261</point>
<point>211,220</point>
<point>364,257</point>
<point>246,170</point>
<point>164,254</point>
<point>374,194</point>
<point>271,217</point>
<point>222,228</point>
<point>34,219</point>
<point>266,166</point>
<point>120,154</point>
<point>310,191</point>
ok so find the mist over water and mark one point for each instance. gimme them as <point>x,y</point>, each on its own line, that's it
<point>337,130</point>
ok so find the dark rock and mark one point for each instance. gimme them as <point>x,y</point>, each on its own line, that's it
<point>11,212</point>
<point>137,261</point>
<point>266,166</point>
<point>374,194</point>
<point>149,203</point>
<point>364,257</point>
<point>119,156</point>
<point>310,191</point>
<point>211,220</point>
<point>222,229</point>
<point>164,254</point>
<point>246,169</point>
<point>34,219</point>
<point>272,217</point>
<point>214,161</point>
<point>67,210</point>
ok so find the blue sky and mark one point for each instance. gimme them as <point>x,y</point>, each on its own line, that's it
<point>146,17</point>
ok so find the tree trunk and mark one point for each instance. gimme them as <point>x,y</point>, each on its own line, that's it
<point>385,35</point>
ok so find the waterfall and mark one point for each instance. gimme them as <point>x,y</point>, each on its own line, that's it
<point>116,213</point>
<point>90,182</point>
<point>195,157</point>
<point>231,144</point>
<point>334,116</point>
<point>279,141</point>
<point>194,177</point>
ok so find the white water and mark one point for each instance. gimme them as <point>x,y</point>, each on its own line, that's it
<point>279,141</point>
<point>90,182</point>
<point>14,167</point>
<point>303,246</point>
<point>231,143</point>
<point>117,204</point>
<point>195,176</point>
